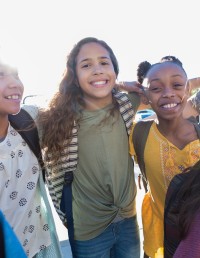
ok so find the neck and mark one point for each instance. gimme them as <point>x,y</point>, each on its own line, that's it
<point>168,127</point>
<point>92,105</point>
<point>3,127</point>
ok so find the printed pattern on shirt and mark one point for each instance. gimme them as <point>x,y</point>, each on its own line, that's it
<point>20,199</point>
<point>169,153</point>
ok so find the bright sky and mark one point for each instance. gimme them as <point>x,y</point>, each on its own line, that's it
<point>38,34</point>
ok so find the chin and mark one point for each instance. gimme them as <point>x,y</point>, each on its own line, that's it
<point>15,111</point>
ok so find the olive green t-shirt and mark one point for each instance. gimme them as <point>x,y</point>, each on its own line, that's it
<point>103,185</point>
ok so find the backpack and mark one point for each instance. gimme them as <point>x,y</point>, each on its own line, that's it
<point>25,125</point>
<point>139,138</point>
<point>173,202</point>
<point>171,215</point>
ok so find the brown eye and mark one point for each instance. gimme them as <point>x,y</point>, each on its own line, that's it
<point>155,89</point>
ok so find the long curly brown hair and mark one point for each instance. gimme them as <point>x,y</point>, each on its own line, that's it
<point>57,121</point>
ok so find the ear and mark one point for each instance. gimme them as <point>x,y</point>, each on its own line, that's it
<point>144,99</point>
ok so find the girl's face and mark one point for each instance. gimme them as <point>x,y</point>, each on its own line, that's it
<point>167,90</point>
<point>11,91</point>
<point>96,75</point>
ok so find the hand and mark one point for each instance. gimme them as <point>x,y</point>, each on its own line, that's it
<point>193,84</point>
<point>132,86</point>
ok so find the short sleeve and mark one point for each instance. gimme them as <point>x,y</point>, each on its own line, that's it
<point>135,100</point>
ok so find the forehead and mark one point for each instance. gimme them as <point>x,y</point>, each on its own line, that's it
<point>165,69</point>
<point>7,68</point>
<point>92,50</point>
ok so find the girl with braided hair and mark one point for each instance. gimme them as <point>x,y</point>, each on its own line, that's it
<point>172,143</point>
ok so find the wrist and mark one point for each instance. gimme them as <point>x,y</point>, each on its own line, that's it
<point>121,86</point>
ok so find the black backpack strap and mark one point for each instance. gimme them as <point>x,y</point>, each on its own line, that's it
<point>196,125</point>
<point>66,207</point>
<point>139,137</point>
<point>25,125</point>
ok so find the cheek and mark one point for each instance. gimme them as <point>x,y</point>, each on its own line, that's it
<point>22,88</point>
<point>81,75</point>
<point>153,99</point>
<point>113,74</point>
<point>80,78</point>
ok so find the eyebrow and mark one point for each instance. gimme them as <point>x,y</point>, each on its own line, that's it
<point>87,59</point>
<point>158,79</point>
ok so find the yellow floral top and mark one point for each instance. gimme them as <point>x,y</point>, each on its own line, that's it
<point>162,160</point>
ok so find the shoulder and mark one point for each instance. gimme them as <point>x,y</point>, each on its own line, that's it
<point>142,127</point>
<point>32,110</point>
<point>123,96</point>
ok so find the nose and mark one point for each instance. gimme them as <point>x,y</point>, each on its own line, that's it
<point>168,93</point>
<point>97,69</point>
<point>14,81</point>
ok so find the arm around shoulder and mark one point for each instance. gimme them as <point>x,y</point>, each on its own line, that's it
<point>192,107</point>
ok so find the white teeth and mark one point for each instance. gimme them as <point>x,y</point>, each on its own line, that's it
<point>170,105</point>
<point>99,83</point>
<point>13,97</point>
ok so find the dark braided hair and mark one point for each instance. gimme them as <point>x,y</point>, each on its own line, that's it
<point>145,66</point>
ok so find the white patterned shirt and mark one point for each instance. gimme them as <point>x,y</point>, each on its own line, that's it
<point>20,199</point>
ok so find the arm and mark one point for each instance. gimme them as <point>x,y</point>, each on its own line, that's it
<point>136,87</point>
<point>192,107</point>
<point>132,86</point>
<point>194,83</point>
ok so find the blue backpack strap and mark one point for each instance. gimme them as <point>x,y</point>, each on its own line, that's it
<point>2,238</point>
<point>25,125</point>
<point>139,137</point>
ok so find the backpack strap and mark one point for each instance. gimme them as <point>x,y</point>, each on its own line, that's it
<point>66,207</point>
<point>139,137</point>
<point>24,124</point>
<point>193,120</point>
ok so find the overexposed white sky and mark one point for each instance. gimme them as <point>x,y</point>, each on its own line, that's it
<point>37,35</point>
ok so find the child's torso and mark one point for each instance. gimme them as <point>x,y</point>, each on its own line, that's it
<point>20,199</point>
<point>163,161</point>
<point>104,174</point>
